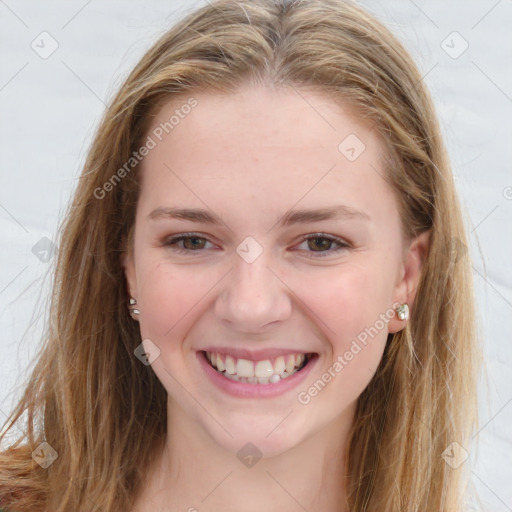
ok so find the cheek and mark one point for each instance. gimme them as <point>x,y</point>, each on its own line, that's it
<point>168,297</point>
<point>347,299</point>
<point>352,307</point>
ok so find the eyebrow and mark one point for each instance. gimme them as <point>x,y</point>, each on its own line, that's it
<point>289,218</point>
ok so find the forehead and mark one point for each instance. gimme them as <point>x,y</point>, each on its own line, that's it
<point>279,114</point>
<point>265,145</point>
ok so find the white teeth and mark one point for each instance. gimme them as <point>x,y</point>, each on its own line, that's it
<point>279,365</point>
<point>263,369</point>
<point>245,368</point>
<point>256,372</point>
<point>230,365</point>
<point>290,364</point>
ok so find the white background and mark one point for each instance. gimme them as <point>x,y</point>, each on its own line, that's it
<point>51,106</point>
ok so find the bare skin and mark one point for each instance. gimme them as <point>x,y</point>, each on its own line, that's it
<point>249,158</point>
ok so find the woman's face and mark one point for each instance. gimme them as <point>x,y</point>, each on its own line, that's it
<point>266,237</point>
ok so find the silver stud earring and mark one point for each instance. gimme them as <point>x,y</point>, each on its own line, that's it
<point>133,310</point>
<point>402,311</point>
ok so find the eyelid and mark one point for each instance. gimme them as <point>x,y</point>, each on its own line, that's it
<point>173,239</point>
<point>342,244</point>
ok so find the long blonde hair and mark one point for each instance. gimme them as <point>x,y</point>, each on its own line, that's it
<point>104,412</point>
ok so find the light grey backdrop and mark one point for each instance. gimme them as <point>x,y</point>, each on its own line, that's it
<point>62,61</point>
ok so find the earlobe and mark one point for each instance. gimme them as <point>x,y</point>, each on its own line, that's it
<point>131,283</point>
<point>406,288</point>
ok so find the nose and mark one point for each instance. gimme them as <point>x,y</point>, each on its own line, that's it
<point>253,296</point>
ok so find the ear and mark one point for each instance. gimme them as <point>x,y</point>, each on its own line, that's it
<point>407,285</point>
<point>128,263</point>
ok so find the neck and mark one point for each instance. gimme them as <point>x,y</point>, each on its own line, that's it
<point>194,474</point>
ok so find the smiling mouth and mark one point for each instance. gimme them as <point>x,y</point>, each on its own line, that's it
<point>269,371</point>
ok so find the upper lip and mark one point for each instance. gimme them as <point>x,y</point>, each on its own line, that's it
<point>255,355</point>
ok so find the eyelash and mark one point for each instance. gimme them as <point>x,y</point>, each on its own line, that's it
<point>315,254</point>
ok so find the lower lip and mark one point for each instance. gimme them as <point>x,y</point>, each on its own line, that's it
<point>246,390</point>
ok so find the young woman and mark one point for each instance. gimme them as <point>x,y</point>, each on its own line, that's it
<point>261,301</point>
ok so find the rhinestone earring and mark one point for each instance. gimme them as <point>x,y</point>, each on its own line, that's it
<point>402,311</point>
<point>133,309</point>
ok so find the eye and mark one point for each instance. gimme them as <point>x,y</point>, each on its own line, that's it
<point>190,242</point>
<point>321,245</point>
